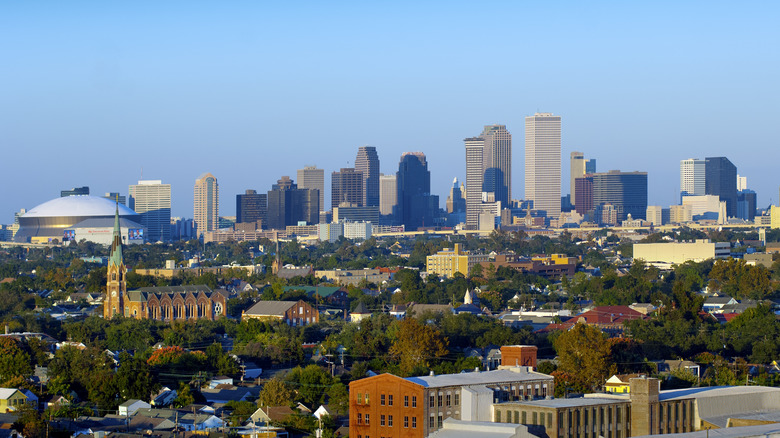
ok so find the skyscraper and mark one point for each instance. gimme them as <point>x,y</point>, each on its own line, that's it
<point>310,177</point>
<point>347,188</point>
<point>579,167</point>
<point>543,162</point>
<point>206,212</point>
<point>75,191</point>
<point>367,161</point>
<point>416,206</point>
<point>115,196</point>
<point>288,205</point>
<point>152,200</point>
<point>455,201</point>
<point>497,163</point>
<point>251,207</point>
<point>626,192</point>
<point>692,177</point>
<point>388,194</point>
<point>474,173</point>
<point>721,180</point>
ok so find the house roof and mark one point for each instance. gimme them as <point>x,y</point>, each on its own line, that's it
<point>6,393</point>
<point>361,309</point>
<point>270,308</point>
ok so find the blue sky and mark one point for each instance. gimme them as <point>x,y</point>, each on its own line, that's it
<point>99,93</point>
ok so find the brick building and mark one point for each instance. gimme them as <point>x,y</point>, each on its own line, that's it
<point>294,313</point>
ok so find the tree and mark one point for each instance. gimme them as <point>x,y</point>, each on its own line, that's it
<point>14,361</point>
<point>310,383</point>
<point>338,398</point>
<point>416,345</point>
<point>184,396</point>
<point>275,392</point>
<point>583,351</point>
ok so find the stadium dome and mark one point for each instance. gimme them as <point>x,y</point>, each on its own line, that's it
<point>52,218</point>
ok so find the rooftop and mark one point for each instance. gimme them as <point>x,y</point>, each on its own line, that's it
<point>477,378</point>
<point>79,205</point>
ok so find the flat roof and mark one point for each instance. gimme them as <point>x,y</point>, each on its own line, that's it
<point>568,402</point>
<point>477,378</point>
<point>714,391</point>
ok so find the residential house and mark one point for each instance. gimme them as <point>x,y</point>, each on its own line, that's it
<point>12,399</point>
<point>129,407</point>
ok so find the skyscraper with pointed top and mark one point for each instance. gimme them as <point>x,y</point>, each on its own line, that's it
<point>116,283</point>
<point>206,212</point>
<point>367,161</point>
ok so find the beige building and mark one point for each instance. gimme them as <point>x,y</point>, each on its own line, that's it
<point>774,212</point>
<point>447,262</point>
<point>310,177</point>
<point>669,253</point>
<point>206,212</point>
<point>680,214</point>
<point>543,162</point>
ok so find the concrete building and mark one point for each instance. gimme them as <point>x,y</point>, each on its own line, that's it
<point>347,188</point>
<point>474,173</point>
<point>388,194</point>
<point>116,197</point>
<point>703,207</point>
<point>456,203</point>
<point>75,191</point>
<point>579,167</point>
<point>310,177</point>
<point>669,253</point>
<point>657,215</point>
<point>388,405</point>
<point>152,200</point>
<point>206,208</point>
<point>497,163</point>
<point>350,213</point>
<point>692,177</point>
<point>367,162</point>
<point>251,207</point>
<point>357,230</point>
<point>583,187</point>
<point>330,232</point>
<point>746,205</point>
<point>680,214</point>
<point>447,262</point>
<point>543,163</point>
<point>289,205</point>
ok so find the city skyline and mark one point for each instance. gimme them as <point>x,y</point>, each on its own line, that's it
<point>88,89</point>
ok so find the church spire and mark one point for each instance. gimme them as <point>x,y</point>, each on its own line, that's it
<point>116,244</point>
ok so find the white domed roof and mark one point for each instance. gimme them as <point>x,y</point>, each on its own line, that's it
<point>79,205</point>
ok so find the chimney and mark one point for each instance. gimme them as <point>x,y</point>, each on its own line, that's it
<point>432,373</point>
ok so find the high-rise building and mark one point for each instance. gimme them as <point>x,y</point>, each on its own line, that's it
<point>741,183</point>
<point>388,194</point>
<point>721,180</point>
<point>474,173</point>
<point>692,177</point>
<point>152,200</point>
<point>115,196</point>
<point>579,166</point>
<point>416,206</point>
<point>583,187</point>
<point>367,162</point>
<point>626,192</point>
<point>497,163</point>
<point>746,205</point>
<point>75,191</point>
<point>310,177</point>
<point>251,207</point>
<point>657,215</point>
<point>455,201</point>
<point>206,212</point>
<point>543,163</point>
<point>347,188</point>
<point>289,205</point>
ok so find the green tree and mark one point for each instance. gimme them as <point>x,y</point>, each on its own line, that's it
<point>14,361</point>
<point>275,392</point>
<point>584,351</point>
<point>416,345</point>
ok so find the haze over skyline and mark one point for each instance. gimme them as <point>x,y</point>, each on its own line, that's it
<point>95,92</point>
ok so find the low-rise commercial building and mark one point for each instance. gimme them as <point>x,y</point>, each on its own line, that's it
<point>667,254</point>
<point>447,262</point>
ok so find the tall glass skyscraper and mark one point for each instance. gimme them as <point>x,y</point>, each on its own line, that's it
<point>206,211</point>
<point>367,161</point>
<point>416,206</point>
<point>152,200</point>
<point>721,180</point>
<point>543,162</point>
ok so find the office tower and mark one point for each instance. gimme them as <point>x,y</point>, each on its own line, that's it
<point>251,207</point>
<point>583,187</point>
<point>657,215</point>
<point>497,163</point>
<point>206,212</point>
<point>721,180</point>
<point>741,183</point>
<point>115,196</point>
<point>579,167</point>
<point>455,201</point>
<point>152,200</point>
<point>746,205</point>
<point>626,192</point>
<point>289,205</point>
<point>388,194</point>
<point>692,177</point>
<point>312,178</point>
<point>75,191</point>
<point>416,206</point>
<point>346,188</point>
<point>367,161</point>
<point>543,162</point>
<point>474,172</point>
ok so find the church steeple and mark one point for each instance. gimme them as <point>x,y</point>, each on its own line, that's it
<point>116,284</point>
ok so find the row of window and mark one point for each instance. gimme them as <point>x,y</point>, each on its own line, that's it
<point>387,400</point>
<point>365,419</point>
<point>444,400</point>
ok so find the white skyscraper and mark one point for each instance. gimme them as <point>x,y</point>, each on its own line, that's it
<point>474,173</point>
<point>312,178</point>
<point>693,177</point>
<point>543,162</point>
<point>152,200</point>
<point>388,194</point>
<point>206,212</point>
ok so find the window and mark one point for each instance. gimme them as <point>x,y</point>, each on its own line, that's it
<point>449,399</point>
<point>389,421</point>
<point>414,422</point>
<point>366,398</point>
<point>440,422</point>
<point>382,420</point>
<point>390,400</point>
<point>406,422</point>
<point>366,419</point>
<point>414,401</point>
<point>457,399</point>
<point>360,419</point>
<point>440,400</point>
<point>359,398</point>
<point>382,400</point>
<point>406,401</point>
<point>432,401</point>
<point>431,421</point>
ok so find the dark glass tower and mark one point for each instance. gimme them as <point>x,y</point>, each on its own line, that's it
<point>346,187</point>
<point>251,207</point>
<point>625,191</point>
<point>416,206</point>
<point>288,205</point>
<point>721,180</point>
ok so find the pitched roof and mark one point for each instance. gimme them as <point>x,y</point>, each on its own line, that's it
<point>270,308</point>
<point>361,309</point>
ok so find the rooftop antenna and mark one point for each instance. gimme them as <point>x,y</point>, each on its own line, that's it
<point>142,173</point>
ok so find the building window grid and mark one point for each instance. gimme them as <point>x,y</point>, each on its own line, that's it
<point>414,422</point>
<point>406,422</point>
<point>390,400</point>
<point>366,419</point>
<point>382,420</point>
<point>406,401</point>
<point>389,421</point>
<point>414,401</point>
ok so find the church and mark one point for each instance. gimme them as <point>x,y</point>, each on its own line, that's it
<point>166,303</point>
